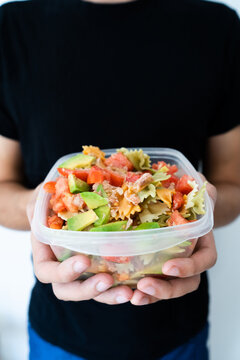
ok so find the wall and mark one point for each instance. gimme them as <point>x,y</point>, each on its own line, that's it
<point>16,280</point>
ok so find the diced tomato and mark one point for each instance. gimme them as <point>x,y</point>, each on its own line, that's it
<point>132,177</point>
<point>79,173</point>
<point>116,179</point>
<point>118,259</point>
<point>176,219</point>
<point>173,179</point>
<point>107,175</point>
<point>177,201</point>
<point>172,169</point>
<point>159,165</point>
<point>95,176</point>
<point>57,204</point>
<point>155,166</point>
<point>120,161</point>
<point>183,185</point>
<point>68,201</point>
<point>55,222</point>
<point>50,187</point>
<point>61,186</point>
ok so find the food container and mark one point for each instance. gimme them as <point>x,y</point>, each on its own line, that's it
<point>127,255</point>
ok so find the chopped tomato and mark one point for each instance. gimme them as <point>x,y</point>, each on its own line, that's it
<point>118,259</point>
<point>68,201</point>
<point>61,186</point>
<point>176,219</point>
<point>116,179</point>
<point>155,166</point>
<point>120,161</point>
<point>172,169</point>
<point>55,222</point>
<point>183,185</point>
<point>173,179</point>
<point>50,187</point>
<point>159,165</point>
<point>132,177</point>
<point>57,204</point>
<point>95,175</point>
<point>79,173</point>
<point>177,201</point>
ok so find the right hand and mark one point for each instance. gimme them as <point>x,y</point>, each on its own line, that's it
<point>63,276</point>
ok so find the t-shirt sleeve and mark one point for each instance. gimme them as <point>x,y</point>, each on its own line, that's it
<point>228,112</point>
<point>7,126</point>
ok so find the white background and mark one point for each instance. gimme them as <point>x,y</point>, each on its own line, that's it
<point>16,280</point>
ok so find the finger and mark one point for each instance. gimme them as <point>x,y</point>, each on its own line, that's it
<point>140,298</point>
<point>85,290</point>
<point>118,295</point>
<point>204,257</point>
<point>168,289</point>
<point>48,270</point>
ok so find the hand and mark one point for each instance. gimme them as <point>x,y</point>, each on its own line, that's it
<point>63,276</point>
<point>188,270</point>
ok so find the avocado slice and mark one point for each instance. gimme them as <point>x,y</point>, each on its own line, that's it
<point>114,226</point>
<point>77,185</point>
<point>78,161</point>
<point>101,190</point>
<point>93,200</point>
<point>103,212</point>
<point>82,220</point>
<point>148,225</point>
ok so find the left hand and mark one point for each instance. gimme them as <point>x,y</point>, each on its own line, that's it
<point>187,270</point>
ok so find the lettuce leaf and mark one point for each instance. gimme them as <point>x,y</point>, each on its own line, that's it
<point>138,158</point>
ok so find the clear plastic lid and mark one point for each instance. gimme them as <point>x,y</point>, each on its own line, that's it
<point>123,243</point>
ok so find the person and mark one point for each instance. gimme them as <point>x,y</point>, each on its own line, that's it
<point>113,73</point>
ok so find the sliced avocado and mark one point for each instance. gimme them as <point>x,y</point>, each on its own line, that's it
<point>114,226</point>
<point>78,161</point>
<point>81,221</point>
<point>77,185</point>
<point>101,190</point>
<point>103,212</point>
<point>93,200</point>
<point>148,225</point>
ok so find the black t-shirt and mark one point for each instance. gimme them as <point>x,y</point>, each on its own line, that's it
<point>145,73</point>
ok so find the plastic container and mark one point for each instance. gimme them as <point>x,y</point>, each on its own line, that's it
<point>142,252</point>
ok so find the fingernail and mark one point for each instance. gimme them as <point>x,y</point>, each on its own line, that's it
<point>121,299</point>
<point>79,267</point>
<point>173,271</point>
<point>149,290</point>
<point>144,301</point>
<point>101,286</point>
